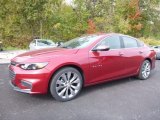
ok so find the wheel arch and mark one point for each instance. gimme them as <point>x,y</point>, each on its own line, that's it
<point>148,60</point>
<point>67,65</point>
<point>142,63</point>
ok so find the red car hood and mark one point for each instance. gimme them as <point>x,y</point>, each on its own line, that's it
<point>44,53</point>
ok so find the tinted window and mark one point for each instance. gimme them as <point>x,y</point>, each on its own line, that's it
<point>130,42</point>
<point>113,42</point>
<point>34,42</point>
<point>44,43</point>
<point>156,47</point>
<point>140,43</point>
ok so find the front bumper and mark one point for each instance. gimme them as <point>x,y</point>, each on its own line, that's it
<point>29,81</point>
<point>20,90</point>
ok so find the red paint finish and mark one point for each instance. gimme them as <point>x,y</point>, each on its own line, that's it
<point>96,66</point>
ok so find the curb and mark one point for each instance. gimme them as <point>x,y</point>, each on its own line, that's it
<point>4,61</point>
<point>6,56</point>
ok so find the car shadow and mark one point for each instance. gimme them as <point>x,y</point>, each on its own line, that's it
<point>90,89</point>
<point>87,90</point>
<point>46,97</point>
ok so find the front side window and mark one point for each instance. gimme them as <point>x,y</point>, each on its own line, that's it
<point>44,43</point>
<point>113,42</point>
<point>140,43</point>
<point>129,42</point>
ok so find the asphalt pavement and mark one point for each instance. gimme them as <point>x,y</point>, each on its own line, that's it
<point>125,99</point>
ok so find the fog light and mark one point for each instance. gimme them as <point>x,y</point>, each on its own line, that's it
<point>26,84</point>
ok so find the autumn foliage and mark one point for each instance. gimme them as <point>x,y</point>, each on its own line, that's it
<point>91,27</point>
<point>135,15</point>
<point>58,21</point>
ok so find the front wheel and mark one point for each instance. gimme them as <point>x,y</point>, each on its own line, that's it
<point>145,70</point>
<point>66,84</point>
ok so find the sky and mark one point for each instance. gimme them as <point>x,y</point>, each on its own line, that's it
<point>69,2</point>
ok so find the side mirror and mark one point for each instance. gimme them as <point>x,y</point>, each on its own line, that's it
<point>101,48</point>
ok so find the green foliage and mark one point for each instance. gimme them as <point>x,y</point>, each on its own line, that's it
<point>17,42</point>
<point>150,41</point>
<point>22,20</point>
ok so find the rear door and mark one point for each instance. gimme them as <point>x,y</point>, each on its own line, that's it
<point>133,54</point>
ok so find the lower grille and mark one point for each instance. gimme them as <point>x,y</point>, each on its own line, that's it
<point>12,75</point>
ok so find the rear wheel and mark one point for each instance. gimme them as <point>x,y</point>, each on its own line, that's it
<point>145,70</point>
<point>66,84</point>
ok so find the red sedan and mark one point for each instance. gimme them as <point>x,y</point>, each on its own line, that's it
<point>83,61</point>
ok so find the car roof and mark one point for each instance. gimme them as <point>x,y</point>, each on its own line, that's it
<point>42,39</point>
<point>106,34</point>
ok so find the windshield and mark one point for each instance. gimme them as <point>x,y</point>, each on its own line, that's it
<point>80,42</point>
<point>45,43</point>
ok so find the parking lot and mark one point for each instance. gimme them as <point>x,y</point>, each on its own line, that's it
<point>126,99</point>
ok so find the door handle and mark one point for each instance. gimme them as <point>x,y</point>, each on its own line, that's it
<point>140,52</point>
<point>121,54</point>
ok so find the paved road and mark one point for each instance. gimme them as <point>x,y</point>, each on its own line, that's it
<point>126,99</point>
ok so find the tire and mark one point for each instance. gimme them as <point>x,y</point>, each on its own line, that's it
<point>66,84</point>
<point>158,58</point>
<point>145,70</point>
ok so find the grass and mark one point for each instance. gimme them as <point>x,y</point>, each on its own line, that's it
<point>150,41</point>
<point>12,48</point>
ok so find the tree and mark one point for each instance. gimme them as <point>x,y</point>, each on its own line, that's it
<point>53,19</point>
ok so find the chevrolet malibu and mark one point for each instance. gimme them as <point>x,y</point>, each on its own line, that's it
<point>80,62</point>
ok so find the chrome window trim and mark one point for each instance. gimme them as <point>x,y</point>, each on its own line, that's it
<point>119,35</point>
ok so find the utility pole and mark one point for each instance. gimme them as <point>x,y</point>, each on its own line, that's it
<point>41,29</point>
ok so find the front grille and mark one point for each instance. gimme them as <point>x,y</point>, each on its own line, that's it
<point>12,75</point>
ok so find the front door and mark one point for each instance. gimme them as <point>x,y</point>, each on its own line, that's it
<point>105,65</point>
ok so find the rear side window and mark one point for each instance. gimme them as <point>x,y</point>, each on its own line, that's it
<point>129,42</point>
<point>43,43</point>
<point>34,41</point>
<point>113,42</point>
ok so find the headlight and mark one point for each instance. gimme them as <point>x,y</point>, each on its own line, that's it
<point>33,66</point>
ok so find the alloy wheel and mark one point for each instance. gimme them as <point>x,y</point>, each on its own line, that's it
<point>68,85</point>
<point>146,69</point>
